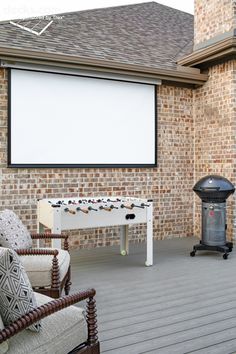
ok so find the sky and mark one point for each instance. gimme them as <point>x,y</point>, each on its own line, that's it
<point>13,9</point>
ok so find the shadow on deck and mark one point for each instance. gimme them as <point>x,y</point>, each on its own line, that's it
<point>179,305</point>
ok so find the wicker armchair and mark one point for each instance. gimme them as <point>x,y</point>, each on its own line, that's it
<point>22,341</point>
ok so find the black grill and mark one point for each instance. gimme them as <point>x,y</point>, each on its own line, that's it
<point>215,189</point>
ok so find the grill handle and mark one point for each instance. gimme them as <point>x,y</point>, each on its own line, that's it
<point>210,188</point>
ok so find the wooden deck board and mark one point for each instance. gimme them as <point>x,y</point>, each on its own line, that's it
<point>180,305</point>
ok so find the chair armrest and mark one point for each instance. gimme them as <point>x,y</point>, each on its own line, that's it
<point>55,264</point>
<point>36,252</point>
<point>40,236</point>
<point>51,236</point>
<point>52,307</point>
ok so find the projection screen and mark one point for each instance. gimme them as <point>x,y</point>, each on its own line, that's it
<point>64,120</point>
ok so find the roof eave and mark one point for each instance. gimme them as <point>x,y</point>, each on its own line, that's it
<point>191,76</point>
<point>220,50</point>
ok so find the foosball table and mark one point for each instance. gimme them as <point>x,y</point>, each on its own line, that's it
<point>81,213</point>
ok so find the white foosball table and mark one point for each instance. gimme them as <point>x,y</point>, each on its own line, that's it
<point>82,213</point>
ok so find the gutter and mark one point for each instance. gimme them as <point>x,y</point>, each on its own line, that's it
<point>216,51</point>
<point>185,75</point>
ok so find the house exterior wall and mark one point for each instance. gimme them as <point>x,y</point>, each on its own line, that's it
<point>169,185</point>
<point>214,105</point>
<point>215,132</point>
<point>213,18</point>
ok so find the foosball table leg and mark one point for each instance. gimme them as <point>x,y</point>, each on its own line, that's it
<point>124,240</point>
<point>56,228</point>
<point>149,260</point>
<point>40,230</point>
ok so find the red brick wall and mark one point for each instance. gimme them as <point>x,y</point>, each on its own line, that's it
<point>215,131</point>
<point>170,184</point>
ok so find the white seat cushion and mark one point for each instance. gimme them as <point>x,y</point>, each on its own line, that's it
<point>60,332</point>
<point>39,268</point>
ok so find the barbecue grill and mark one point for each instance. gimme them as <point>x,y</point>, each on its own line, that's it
<point>213,191</point>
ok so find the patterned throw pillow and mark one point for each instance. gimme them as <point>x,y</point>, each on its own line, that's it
<point>13,234</point>
<point>16,294</point>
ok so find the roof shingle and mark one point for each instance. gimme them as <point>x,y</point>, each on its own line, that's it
<point>147,34</point>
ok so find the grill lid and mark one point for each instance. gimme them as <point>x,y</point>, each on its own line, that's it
<point>214,188</point>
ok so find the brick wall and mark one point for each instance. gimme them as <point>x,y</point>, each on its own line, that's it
<point>215,131</point>
<point>169,184</point>
<point>213,17</point>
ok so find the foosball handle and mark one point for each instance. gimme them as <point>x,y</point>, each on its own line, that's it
<point>70,211</point>
<point>113,207</point>
<point>138,206</point>
<point>85,211</point>
<point>126,206</point>
<point>91,208</point>
<point>104,208</point>
<point>107,208</point>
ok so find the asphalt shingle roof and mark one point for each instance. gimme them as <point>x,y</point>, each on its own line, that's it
<point>147,34</point>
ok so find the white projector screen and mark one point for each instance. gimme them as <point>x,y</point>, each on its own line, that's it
<point>64,120</point>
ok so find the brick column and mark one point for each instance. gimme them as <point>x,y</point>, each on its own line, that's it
<point>213,19</point>
<point>215,103</point>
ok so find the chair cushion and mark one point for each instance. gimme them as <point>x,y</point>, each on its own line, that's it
<point>39,268</point>
<point>16,294</point>
<point>13,234</point>
<point>3,346</point>
<point>60,333</point>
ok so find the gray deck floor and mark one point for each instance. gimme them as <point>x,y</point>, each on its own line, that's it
<point>179,305</point>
